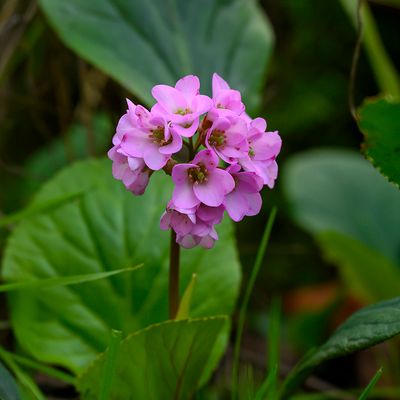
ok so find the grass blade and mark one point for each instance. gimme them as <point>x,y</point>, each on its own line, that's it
<point>22,377</point>
<point>49,371</point>
<point>243,309</point>
<point>371,385</point>
<point>64,280</point>
<point>184,306</point>
<point>110,365</point>
<point>265,390</point>
<point>274,334</point>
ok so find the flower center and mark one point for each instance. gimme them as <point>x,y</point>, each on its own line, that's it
<point>251,152</point>
<point>217,138</point>
<point>182,111</point>
<point>198,174</point>
<point>158,136</point>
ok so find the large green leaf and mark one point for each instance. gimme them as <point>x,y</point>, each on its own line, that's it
<point>142,43</point>
<point>8,386</point>
<point>105,229</point>
<point>339,191</point>
<point>162,362</point>
<point>365,328</point>
<point>379,120</point>
<point>370,275</point>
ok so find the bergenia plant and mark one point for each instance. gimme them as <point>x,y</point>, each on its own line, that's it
<point>219,159</point>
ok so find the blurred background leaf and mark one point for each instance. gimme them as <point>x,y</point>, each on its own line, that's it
<point>167,40</point>
<point>8,387</point>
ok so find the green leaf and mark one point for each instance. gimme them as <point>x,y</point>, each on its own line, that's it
<point>371,385</point>
<point>370,275</point>
<point>104,230</point>
<point>379,121</point>
<point>8,387</point>
<point>339,191</point>
<point>169,359</point>
<point>167,40</point>
<point>365,328</point>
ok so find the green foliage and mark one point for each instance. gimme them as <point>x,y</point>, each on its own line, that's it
<point>8,387</point>
<point>167,40</point>
<point>105,230</point>
<point>335,194</point>
<point>379,120</point>
<point>363,329</point>
<point>163,362</point>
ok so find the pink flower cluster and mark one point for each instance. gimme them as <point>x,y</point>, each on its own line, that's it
<point>223,169</point>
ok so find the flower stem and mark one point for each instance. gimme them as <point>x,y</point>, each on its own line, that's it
<point>173,276</point>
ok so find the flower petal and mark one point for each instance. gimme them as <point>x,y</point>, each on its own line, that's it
<point>174,146</point>
<point>169,98</point>
<point>154,159</point>
<point>208,158</point>
<point>189,86</point>
<point>212,192</point>
<point>218,84</point>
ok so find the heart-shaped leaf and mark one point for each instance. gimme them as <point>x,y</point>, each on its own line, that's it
<point>143,43</point>
<point>365,328</point>
<point>379,120</point>
<point>105,229</point>
<point>163,362</point>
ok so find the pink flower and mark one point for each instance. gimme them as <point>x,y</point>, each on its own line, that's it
<point>201,181</point>
<point>182,104</point>
<point>126,123</point>
<point>245,199</point>
<point>263,149</point>
<point>181,223</point>
<point>228,138</point>
<point>203,232</point>
<point>226,100</point>
<point>150,138</point>
<point>131,171</point>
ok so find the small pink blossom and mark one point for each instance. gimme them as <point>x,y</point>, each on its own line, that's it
<point>201,181</point>
<point>226,100</point>
<point>245,199</point>
<point>151,139</point>
<point>182,104</point>
<point>263,149</point>
<point>131,171</point>
<point>228,138</point>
